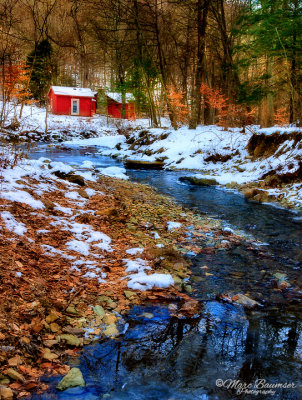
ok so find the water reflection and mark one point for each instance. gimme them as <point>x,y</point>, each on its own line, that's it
<point>165,358</point>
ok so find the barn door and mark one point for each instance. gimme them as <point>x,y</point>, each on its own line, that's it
<point>75,107</point>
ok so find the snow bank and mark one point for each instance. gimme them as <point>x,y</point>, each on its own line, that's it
<point>102,141</point>
<point>58,126</point>
<point>216,153</point>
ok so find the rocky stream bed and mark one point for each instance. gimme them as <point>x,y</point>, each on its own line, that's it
<point>234,311</point>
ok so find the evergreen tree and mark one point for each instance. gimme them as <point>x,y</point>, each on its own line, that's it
<point>43,70</point>
<point>272,47</point>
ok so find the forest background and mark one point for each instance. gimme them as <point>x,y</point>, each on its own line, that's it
<point>231,62</point>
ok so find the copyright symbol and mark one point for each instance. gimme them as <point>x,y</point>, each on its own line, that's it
<point>219,382</point>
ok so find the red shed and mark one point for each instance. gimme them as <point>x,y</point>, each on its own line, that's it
<point>114,105</point>
<point>72,101</point>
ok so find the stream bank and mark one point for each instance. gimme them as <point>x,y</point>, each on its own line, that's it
<point>264,164</point>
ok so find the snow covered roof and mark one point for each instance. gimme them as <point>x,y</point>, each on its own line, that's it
<point>118,96</point>
<point>72,91</point>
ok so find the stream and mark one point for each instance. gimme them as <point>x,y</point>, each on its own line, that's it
<point>211,356</point>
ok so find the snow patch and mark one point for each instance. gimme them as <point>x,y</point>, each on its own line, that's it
<point>90,192</point>
<point>143,282</point>
<point>78,246</point>
<point>22,197</point>
<point>135,251</point>
<point>64,210</point>
<point>114,172</point>
<point>58,166</point>
<point>140,280</point>
<point>171,226</point>
<point>74,196</point>
<point>137,265</point>
<point>52,251</point>
<point>12,224</point>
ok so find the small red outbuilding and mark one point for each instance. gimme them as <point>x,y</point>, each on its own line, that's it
<point>114,105</point>
<point>72,101</point>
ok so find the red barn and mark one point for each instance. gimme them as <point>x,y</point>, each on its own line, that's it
<point>72,101</point>
<point>114,105</point>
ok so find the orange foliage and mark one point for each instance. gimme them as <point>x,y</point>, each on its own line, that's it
<point>14,81</point>
<point>179,109</point>
<point>281,116</point>
<point>228,114</point>
<point>214,99</point>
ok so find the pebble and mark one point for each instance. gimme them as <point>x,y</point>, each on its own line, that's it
<point>99,311</point>
<point>48,355</point>
<point>73,378</point>
<point>110,319</point>
<point>147,315</point>
<point>16,376</point>
<point>111,331</point>
<point>71,340</point>
<point>6,393</point>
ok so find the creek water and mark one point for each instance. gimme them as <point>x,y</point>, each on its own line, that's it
<point>211,356</point>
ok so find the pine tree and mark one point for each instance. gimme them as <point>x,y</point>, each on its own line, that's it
<point>43,69</point>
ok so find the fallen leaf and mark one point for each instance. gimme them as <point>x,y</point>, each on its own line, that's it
<point>14,361</point>
<point>23,394</point>
<point>48,355</point>
<point>36,325</point>
<point>15,385</point>
<point>19,264</point>
<point>31,385</point>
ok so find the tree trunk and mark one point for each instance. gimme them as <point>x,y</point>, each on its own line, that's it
<point>267,104</point>
<point>141,68</point>
<point>46,114</point>
<point>202,19</point>
<point>163,69</point>
<point>230,76</point>
<point>293,77</point>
